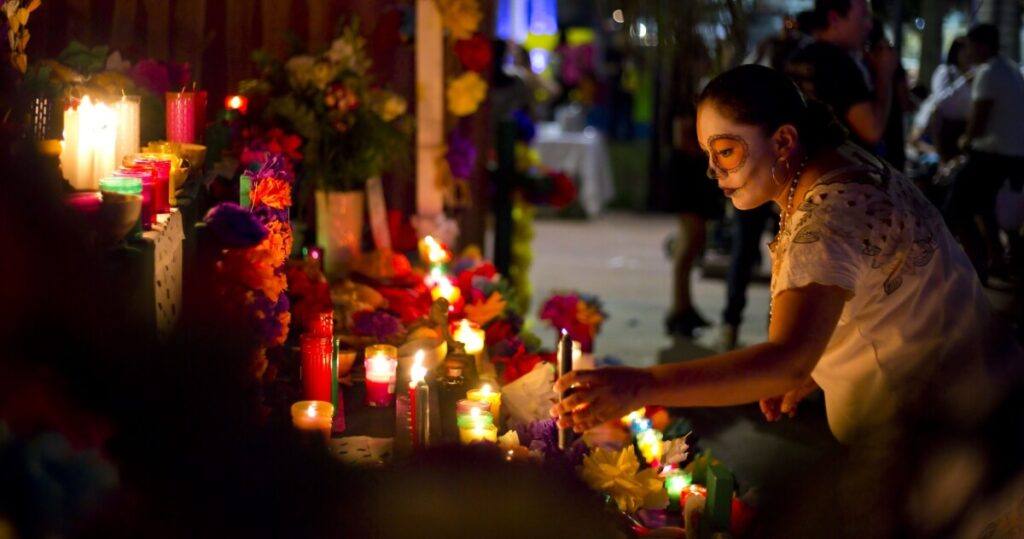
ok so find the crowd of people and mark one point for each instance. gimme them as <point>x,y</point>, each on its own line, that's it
<point>957,136</point>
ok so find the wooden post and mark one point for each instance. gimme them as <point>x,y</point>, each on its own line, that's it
<point>429,108</point>
<point>506,150</point>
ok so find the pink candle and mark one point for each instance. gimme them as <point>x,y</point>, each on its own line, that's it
<point>162,172</point>
<point>316,367</point>
<point>381,364</point>
<point>181,116</point>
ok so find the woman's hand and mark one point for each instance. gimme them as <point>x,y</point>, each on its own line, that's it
<point>599,395</point>
<point>773,408</point>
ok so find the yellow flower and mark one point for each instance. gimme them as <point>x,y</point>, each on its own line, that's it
<point>482,313</point>
<point>617,474</point>
<point>460,17</point>
<point>589,315</point>
<point>465,93</point>
<point>526,157</point>
<point>388,105</point>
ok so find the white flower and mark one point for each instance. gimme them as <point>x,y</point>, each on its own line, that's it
<point>116,63</point>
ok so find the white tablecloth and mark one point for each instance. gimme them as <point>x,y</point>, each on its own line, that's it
<point>584,157</point>
<point>167,236</point>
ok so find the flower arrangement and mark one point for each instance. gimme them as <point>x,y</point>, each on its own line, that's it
<point>308,290</point>
<point>256,244</point>
<point>580,315</point>
<point>348,125</point>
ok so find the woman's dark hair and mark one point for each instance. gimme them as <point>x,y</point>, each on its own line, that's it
<point>956,48</point>
<point>761,96</point>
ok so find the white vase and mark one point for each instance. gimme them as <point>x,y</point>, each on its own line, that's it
<point>339,228</point>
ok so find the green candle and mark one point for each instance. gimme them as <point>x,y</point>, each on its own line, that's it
<point>675,482</point>
<point>122,185</point>
<point>470,420</point>
<point>244,188</point>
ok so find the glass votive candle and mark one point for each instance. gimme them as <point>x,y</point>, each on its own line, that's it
<point>381,370</point>
<point>313,416</point>
<point>464,407</point>
<point>467,421</point>
<point>316,355</point>
<point>487,395</point>
<point>147,178</point>
<point>478,433</point>
<point>346,358</point>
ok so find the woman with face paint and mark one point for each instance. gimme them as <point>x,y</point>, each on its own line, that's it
<point>872,299</point>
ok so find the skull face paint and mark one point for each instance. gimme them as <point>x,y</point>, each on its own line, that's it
<point>728,154</point>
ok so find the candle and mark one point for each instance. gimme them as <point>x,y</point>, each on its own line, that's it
<point>244,189</point>
<point>381,364</point>
<point>464,406</point>
<point>471,336</point>
<point>445,289</point>
<point>419,403</point>
<point>321,324</point>
<point>127,127</point>
<point>161,168</point>
<point>146,178</point>
<point>691,491</point>
<point>475,417</point>
<point>577,357</point>
<point>433,253</point>
<point>486,394</point>
<point>675,482</point>
<point>650,445</point>
<point>237,102</point>
<point>477,427</point>
<point>90,140</point>
<point>316,353</point>
<point>564,367</point>
<point>181,116</point>
<point>313,416</point>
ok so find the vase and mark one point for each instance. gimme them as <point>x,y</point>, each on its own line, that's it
<point>339,228</point>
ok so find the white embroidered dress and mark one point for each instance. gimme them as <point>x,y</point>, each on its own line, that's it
<point>915,301</point>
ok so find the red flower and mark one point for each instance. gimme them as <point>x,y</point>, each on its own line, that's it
<point>408,304</point>
<point>273,193</point>
<point>474,53</point>
<point>498,331</point>
<point>465,281</point>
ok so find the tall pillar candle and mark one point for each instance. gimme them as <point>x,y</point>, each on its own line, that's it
<point>181,116</point>
<point>419,403</point>
<point>127,127</point>
<point>316,367</point>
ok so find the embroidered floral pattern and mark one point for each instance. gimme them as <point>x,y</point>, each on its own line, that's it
<point>873,207</point>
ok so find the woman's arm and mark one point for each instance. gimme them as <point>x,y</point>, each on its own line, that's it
<point>802,325</point>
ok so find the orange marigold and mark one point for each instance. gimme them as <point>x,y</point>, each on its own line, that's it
<point>273,193</point>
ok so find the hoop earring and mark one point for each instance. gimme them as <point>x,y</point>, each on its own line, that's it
<point>775,180</point>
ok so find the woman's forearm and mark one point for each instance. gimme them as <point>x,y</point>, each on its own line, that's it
<point>738,377</point>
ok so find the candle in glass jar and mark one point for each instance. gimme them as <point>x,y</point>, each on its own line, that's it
<point>433,253</point>
<point>464,407</point>
<point>477,427</point>
<point>313,416</point>
<point>471,336</point>
<point>181,116</point>
<point>316,355</point>
<point>381,363</point>
<point>445,289</point>
<point>419,403</point>
<point>489,396</point>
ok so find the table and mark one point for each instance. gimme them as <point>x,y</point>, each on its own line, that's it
<point>584,157</point>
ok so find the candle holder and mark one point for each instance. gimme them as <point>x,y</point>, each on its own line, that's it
<point>488,396</point>
<point>313,416</point>
<point>381,365</point>
<point>45,119</point>
<point>465,406</point>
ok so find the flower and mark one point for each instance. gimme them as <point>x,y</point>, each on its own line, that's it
<point>483,312</point>
<point>272,192</point>
<point>460,17</point>
<point>234,226</point>
<point>465,93</point>
<point>348,54</point>
<point>563,190</point>
<point>300,71</point>
<point>461,154</point>
<point>474,53</point>
<point>617,473</point>
<point>498,331</point>
<point>387,105</point>
<point>377,324</point>
<point>159,77</point>
<point>278,242</point>
<point>340,97</point>
<point>323,73</point>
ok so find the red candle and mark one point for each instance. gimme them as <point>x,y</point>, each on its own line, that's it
<point>181,116</point>
<point>380,366</point>
<point>321,324</point>
<point>316,367</point>
<point>149,195</point>
<point>162,172</point>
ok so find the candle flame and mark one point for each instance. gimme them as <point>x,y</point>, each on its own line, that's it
<point>417,373</point>
<point>486,389</point>
<point>311,411</point>
<point>474,413</point>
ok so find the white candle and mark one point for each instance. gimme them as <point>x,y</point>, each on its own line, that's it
<point>127,127</point>
<point>90,138</point>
